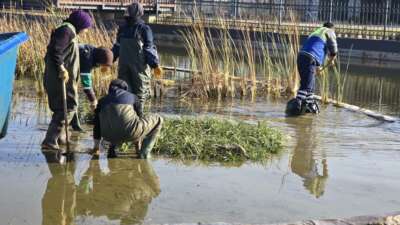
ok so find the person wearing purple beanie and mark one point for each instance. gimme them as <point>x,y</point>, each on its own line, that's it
<point>62,65</point>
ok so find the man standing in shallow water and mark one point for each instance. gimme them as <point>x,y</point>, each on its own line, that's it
<point>312,56</point>
<point>137,54</point>
<point>62,65</point>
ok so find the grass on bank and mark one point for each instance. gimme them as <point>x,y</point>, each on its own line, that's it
<point>220,140</point>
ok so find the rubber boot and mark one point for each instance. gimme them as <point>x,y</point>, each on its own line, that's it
<point>76,124</point>
<point>295,107</point>
<point>149,141</point>
<point>62,139</point>
<point>312,106</point>
<point>140,108</point>
<point>111,151</point>
<point>51,140</point>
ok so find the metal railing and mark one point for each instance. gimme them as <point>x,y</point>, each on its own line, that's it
<point>114,4</point>
<point>378,19</point>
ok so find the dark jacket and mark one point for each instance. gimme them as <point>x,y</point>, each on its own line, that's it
<point>115,115</point>
<point>87,63</point>
<point>133,29</point>
<point>60,39</point>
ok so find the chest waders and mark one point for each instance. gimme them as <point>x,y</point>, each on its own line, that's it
<point>133,68</point>
<point>52,84</point>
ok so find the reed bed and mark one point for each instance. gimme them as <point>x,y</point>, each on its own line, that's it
<point>228,63</point>
<point>39,28</point>
<point>227,60</point>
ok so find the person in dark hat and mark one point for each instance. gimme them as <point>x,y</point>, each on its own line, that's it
<point>311,58</point>
<point>62,65</point>
<point>91,58</point>
<point>116,121</point>
<point>137,54</point>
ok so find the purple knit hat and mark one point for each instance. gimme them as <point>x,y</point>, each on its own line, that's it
<point>80,19</point>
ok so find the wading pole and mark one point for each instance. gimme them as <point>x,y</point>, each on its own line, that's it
<point>64,96</point>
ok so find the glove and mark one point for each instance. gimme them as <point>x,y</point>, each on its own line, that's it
<point>319,71</point>
<point>63,75</point>
<point>331,61</point>
<point>93,105</point>
<point>104,69</point>
<point>158,72</point>
<point>96,146</point>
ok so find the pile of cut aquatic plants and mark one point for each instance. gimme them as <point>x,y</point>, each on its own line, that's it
<point>217,139</point>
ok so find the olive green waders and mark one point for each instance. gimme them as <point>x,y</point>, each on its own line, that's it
<point>134,70</point>
<point>53,86</point>
<point>119,123</point>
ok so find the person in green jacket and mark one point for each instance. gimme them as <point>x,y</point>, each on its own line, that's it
<point>62,65</point>
<point>116,121</point>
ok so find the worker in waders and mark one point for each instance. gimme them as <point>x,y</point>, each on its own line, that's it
<point>62,65</point>
<point>310,60</point>
<point>116,121</point>
<point>137,54</point>
<point>91,58</point>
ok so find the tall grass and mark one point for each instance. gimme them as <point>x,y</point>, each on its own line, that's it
<point>39,28</point>
<point>228,60</point>
<point>240,62</point>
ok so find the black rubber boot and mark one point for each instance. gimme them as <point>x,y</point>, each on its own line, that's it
<point>295,107</point>
<point>312,107</point>
<point>51,140</point>
<point>76,123</point>
<point>112,151</point>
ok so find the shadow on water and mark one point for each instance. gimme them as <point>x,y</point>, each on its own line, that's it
<point>92,191</point>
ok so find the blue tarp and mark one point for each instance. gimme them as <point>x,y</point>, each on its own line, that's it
<point>9,43</point>
<point>11,40</point>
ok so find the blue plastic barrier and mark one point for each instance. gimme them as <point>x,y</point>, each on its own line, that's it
<point>9,44</point>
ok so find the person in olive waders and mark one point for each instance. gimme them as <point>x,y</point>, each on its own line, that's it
<point>116,121</point>
<point>137,54</point>
<point>62,65</point>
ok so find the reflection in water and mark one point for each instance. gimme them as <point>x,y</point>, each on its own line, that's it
<point>303,162</point>
<point>88,189</point>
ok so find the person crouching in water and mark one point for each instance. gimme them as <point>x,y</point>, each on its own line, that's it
<point>91,58</point>
<point>310,60</point>
<point>62,65</point>
<point>137,54</point>
<point>116,121</point>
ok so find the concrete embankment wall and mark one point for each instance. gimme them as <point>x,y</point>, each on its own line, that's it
<point>384,53</point>
<point>388,219</point>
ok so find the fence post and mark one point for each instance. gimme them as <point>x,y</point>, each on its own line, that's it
<point>280,12</point>
<point>330,10</point>
<point>386,19</point>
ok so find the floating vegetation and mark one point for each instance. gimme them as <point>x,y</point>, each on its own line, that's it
<point>221,140</point>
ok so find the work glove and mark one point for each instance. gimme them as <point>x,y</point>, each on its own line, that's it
<point>331,61</point>
<point>93,105</point>
<point>319,70</point>
<point>63,75</point>
<point>96,147</point>
<point>158,72</point>
<point>104,69</point>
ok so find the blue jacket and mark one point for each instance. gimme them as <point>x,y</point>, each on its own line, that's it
<point>320,43</point>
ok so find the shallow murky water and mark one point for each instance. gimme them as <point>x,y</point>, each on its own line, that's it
<point>336,164</point>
